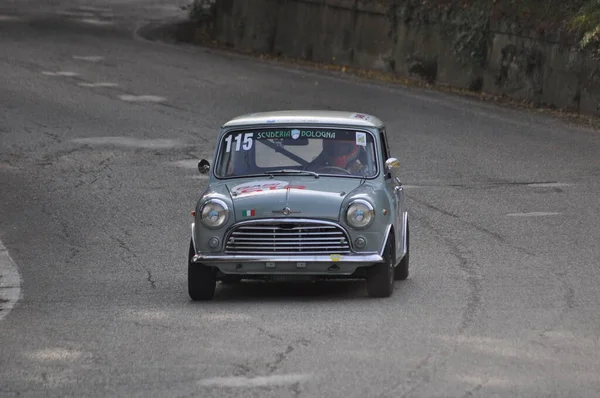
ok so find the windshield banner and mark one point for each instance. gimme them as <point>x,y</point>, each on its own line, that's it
<point>298,133</point>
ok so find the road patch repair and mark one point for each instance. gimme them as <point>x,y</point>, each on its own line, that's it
<point>99,84</point>
<point>80,14</point>
<point>186,164</point>
<point>534,214</point>
<point>260,381</point>
<point>129,142</point>
<point>94,9</point>
<point>10,282</point>
<point>93,21</point>
<point>59,73</point>
<point>90,58</point>
<point>142,98</point>
<point>7,18</point>
<point>549,185</point>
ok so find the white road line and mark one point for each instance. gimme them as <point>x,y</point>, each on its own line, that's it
<point>10,282</point>
<point>59,73</point>
<point>90,58</point>
<point>96,21</point>
<point>142,98</point>
<point>534,214</point>
<point>260,381</point>
<point>99,84</point>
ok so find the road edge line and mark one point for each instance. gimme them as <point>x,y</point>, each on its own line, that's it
<point>10,282</point>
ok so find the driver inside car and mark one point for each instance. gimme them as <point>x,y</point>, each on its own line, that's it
<point>342,154</point>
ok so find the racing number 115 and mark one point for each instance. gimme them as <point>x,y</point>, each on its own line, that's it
<point>246,144</point>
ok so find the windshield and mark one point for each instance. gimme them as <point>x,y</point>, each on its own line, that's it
<point>324,151</point>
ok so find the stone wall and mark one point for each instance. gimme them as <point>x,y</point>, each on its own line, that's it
<point>364,34</point>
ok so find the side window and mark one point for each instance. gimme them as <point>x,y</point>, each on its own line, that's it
<point>384,145</point>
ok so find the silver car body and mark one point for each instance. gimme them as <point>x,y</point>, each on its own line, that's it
<point>276,239</point>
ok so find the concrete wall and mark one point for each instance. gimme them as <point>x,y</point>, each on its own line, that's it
<point>360,34</point>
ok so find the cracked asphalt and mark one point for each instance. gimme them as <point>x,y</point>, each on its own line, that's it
<point>100,132</point>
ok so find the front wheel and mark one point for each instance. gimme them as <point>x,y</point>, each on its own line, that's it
<point>380,277</point>
<point>201,279</point>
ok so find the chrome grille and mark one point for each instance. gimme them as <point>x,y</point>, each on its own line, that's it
<point>287,238</point>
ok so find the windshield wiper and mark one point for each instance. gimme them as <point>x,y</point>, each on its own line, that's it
<point>292,171</point>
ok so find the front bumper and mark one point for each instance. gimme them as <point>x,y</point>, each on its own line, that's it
<point>334,264</point>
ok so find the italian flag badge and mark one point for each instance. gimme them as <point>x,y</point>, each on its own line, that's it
<point>248,213</point>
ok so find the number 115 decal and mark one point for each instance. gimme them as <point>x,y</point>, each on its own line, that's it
<point>245,144</point>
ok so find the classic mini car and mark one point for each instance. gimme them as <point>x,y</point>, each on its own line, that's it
<point>308,194</point>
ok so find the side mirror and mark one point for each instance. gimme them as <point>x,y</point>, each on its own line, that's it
<point>203,166</point>
<point>392,164</point>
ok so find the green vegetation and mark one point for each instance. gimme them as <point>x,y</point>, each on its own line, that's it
<point>568,21</point>
<point>572,22</point>
<point>587,23</point>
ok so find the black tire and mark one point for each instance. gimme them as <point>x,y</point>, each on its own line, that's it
<point>380,277</point>
<point>201,279</point>
<point>401,271</point>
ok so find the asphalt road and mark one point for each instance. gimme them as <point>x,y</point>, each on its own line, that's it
<point>96,185</point>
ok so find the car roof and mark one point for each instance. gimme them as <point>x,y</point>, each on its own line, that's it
<point>307,117</point>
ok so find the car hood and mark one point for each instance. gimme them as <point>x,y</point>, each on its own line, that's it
<point>304,197</point>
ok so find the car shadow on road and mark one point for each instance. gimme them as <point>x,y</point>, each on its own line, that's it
<point>342,290</point>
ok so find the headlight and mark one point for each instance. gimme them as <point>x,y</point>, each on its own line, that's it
<point>214,213</point>
<point>360,214</point>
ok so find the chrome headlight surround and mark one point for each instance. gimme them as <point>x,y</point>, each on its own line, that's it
<point>214,213</point>
<point>360,214</point>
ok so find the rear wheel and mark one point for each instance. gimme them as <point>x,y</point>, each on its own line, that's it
<point>380,277</point>
<point>201,279</point>
<point>401,271</point>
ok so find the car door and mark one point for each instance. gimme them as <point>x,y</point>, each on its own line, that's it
<point>394,185</point>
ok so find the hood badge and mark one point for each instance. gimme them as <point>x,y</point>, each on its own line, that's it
<point>286,211</point>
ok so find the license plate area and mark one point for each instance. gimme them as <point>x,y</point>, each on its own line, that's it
<point>272,265</point>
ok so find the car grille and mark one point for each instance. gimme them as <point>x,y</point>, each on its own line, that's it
<point>294,238</point>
